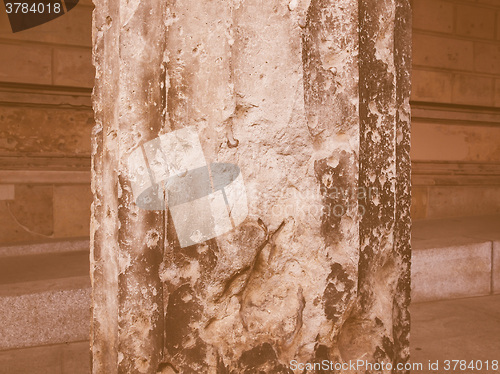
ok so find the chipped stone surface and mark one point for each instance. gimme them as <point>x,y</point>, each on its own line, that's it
<point>319,268</point>
<point>126,242</point>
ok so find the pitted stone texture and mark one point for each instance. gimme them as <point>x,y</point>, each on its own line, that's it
<point>235,300</point>
<point>271,87</point>
<point>126,242</point>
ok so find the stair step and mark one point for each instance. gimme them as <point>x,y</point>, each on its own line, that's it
<point>455,257</point>
<point>44,296</point>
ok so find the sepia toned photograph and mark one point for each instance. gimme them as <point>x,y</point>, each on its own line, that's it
<point>249,186</point>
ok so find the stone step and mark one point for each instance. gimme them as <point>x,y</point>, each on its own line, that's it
<point>44,295</point>
<point>45,287</point>
<point>455,257</point>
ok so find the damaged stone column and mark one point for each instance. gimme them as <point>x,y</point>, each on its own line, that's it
<point>310,99</point>
<point>127,242</point>
<point>384,266</point>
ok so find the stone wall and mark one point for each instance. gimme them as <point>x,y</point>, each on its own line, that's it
<point>45,118</point>
<point>46,75</point>
<point>456,108</point>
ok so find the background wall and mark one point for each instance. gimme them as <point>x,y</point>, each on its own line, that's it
<point>46,77</point>
<point>46,118</point>
<point>456,108</point>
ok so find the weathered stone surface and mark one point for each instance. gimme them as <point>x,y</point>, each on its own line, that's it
<point>486,58</point>
<point>126,242</point>
<point>384,272</point>
<point>431,86</point>
<point>272,87</point>
<point>473,90</point>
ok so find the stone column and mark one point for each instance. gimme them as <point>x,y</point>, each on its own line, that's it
<point>126,241</point>
<point>316,115</point>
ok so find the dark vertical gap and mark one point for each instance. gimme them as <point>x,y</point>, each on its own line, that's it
<point>402,56</point>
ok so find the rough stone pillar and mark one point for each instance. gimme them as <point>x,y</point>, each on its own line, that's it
<point>384,266</point>
<point>127,242</point>
<point>311,100</point>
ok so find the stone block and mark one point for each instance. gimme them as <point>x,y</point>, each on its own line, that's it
<point>73,67</point>
<point>458,231</point>
<point>433,15</point>
<point>490,2</point>
<point>496,267</point>
<point>29,216</point>
<point>72,210</point>
<point>72,358</point>
<point>19,270</point>
<point>44,317</point>
<point>73,28</point>
<point>431,86</point>
<point>442,52</point>
<point>45,131</point>
<point>444,142</point>
<point>26,64</point>
<point>475,21</point>
<point>473,90</point>
<point>459,201</point>
<point>451,272</point>
<point>487,57</point>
